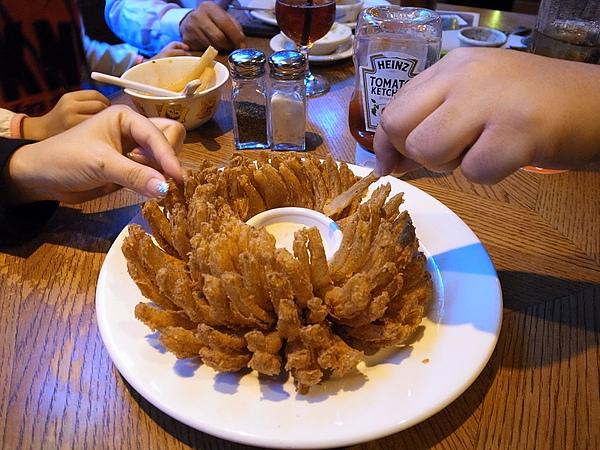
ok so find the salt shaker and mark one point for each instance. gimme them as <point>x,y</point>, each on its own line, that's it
<point>287,100</point>
<point>249,99</point>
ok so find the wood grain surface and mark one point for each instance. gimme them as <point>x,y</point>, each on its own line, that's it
<point>540,390</point>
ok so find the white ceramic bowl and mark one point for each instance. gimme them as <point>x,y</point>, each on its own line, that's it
<point>347,10</point>
<point>481,37</point>
<point>282,223</point>
<point>329,43</point>
<point>191,111</point>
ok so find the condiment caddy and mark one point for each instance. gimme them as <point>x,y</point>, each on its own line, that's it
<point>269,112</point>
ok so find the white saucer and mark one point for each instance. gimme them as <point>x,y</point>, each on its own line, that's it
<point>279,42</point>
<point>265,16</point>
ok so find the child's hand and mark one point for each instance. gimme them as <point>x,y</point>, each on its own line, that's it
<point>173,49</point>
<point>72,109</point>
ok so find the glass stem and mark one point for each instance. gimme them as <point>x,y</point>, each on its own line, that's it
<point>315,84</point>
<point>305,49</point>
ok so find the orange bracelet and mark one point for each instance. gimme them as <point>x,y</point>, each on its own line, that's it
<point>16,126</point>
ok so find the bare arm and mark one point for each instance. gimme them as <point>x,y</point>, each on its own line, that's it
<point>492,111</point>
<point>117,147</point>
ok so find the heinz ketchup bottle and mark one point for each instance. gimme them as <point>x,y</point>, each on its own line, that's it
<point>392,44</point>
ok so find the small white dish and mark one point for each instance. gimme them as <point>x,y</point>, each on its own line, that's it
<point>450,37</point>
<point>282,223</point>
<point>265,16</point>
<point>481,37</point>
<point>344,51</point>
<point>336,36</point>
<point>347,10</point>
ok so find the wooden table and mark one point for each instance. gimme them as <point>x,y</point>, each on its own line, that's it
<point>539,390</point>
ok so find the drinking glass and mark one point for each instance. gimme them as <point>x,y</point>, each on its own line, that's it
<point>304,22</point>
<point>567,29</point>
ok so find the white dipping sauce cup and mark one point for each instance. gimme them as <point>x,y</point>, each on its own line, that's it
<point>282,223</point>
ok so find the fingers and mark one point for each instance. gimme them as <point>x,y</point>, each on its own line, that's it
<point>86,95</point>
<point>226,25</point>
<point>208,25</point>
<point>122,171</point>
<point>497,153</point>
<point>175,134</point>
<point>143,179</point>
<point>171,53</point>
<point>175,45</point>
<point>398,120</point>
<point>75,107</point>
<point>174,131</point>
<point>173,49</point>
<point>388,158</point>
<point>152,145</point>
<point>440,140</point>
<point>87,101</point>
<point>90,107</point>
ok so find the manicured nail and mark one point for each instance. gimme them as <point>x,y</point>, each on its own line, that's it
<point>158,188</point>
<point>162,188</point>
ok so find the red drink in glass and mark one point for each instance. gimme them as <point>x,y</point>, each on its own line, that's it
<point>305,22</point>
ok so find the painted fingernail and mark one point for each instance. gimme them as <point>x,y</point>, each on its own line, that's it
<point>162,188</point>
<point>158,187</point>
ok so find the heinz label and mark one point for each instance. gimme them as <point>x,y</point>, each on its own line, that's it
<point>381,78</point>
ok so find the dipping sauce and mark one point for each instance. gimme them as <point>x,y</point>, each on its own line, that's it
<point>282,223</point>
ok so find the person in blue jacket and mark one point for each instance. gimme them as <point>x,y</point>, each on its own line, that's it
<point>149,25</point>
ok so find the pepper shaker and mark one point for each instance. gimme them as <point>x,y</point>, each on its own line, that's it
<point>287,100</point>
<point>249,99</point>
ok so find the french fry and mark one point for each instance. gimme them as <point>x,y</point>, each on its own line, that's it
<point>205,61</point>
<point>206,79</point>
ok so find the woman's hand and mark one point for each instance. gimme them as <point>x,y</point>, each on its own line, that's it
<point>116,147</point>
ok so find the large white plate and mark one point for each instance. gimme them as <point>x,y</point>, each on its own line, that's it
<point>269,17</point>
<point>392,390</point>
<point>344,51</point>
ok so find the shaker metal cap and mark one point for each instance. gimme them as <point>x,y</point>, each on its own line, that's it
<point>247,63</point>
<point>287,64</point>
